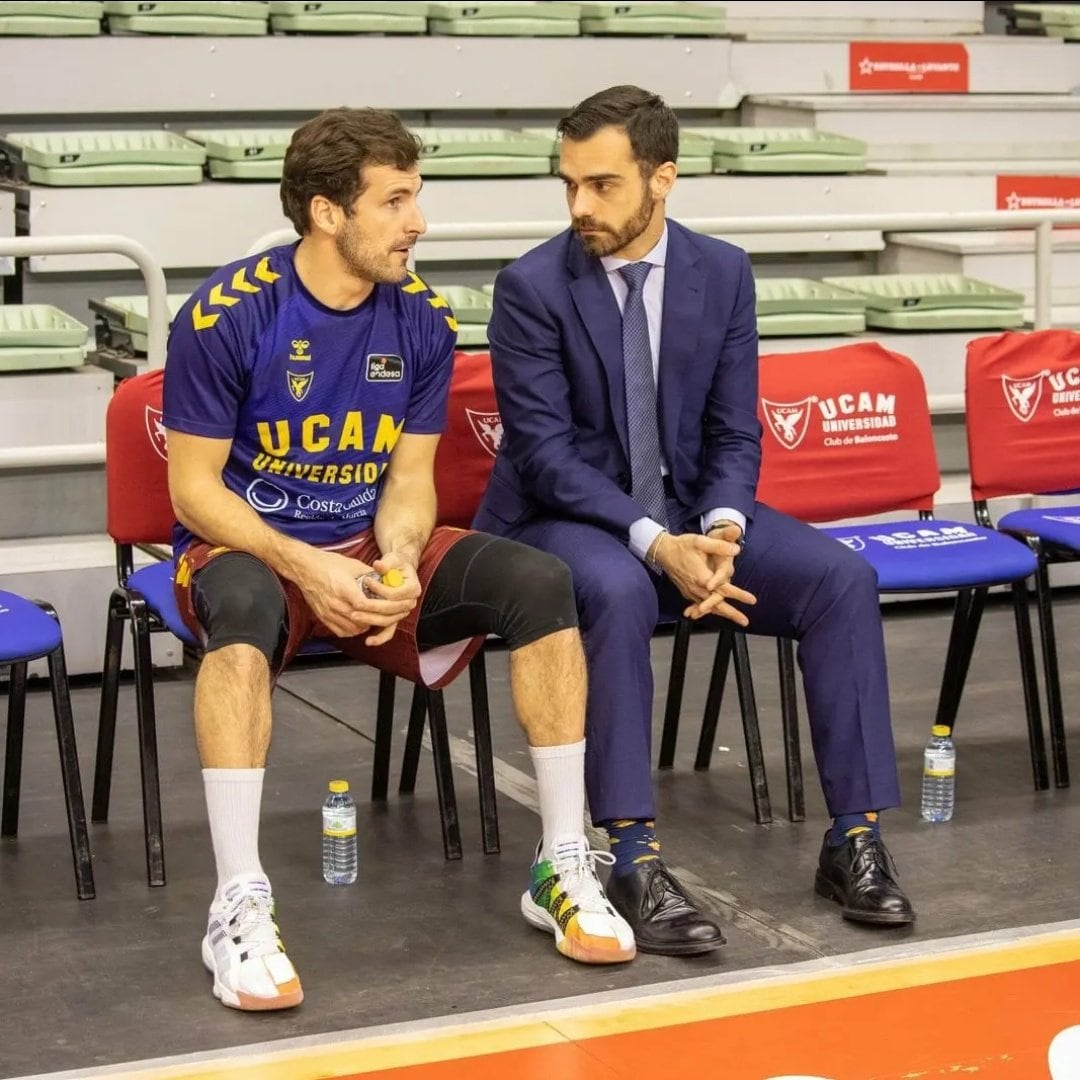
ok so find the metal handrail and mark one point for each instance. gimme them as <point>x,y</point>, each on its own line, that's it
<point>1040,221</point>
<point>36,457</point>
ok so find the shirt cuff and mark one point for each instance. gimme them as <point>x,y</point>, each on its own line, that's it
<point>642,534</point>
<point>723,513</point>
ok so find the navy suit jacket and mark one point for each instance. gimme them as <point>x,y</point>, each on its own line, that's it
<point>556,349</point>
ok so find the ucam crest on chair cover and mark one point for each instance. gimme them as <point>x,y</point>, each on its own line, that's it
<point>1023,395</point>
<point>788,421</point>
<point>488,428</point>
<point>156,430</point>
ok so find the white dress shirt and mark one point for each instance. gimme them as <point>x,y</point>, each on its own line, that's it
<point>644,531</point>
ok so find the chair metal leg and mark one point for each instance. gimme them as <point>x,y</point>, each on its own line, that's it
<point>1030,683</point>
<point>16,717</point>
<point>413,739</point>
<point>1051,675</point>
<point>485,754</point>
<point>148,759</point>
<point>69,771</point>
<point>444,774</point>
<point>789,714</point>
<point>744,682</point>
<point>110,689</point>
<point>714,699</point>
<point>680,651</point>
<point>384,736</point>
<point>967,614</point>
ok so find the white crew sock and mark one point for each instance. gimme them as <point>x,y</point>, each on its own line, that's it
<point>233,799</point>
<point>560,782</point>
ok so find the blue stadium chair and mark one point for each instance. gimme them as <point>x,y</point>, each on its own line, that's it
<point>853,439</point>
<point>31,631</point>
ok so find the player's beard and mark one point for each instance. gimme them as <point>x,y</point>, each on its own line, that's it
<point>611,240</point>
<point>365,263</point>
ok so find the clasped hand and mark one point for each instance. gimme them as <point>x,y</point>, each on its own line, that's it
<point>331,585</point>
<point>701,568</point>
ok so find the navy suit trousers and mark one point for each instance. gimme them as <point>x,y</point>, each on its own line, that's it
<point>808,586</point>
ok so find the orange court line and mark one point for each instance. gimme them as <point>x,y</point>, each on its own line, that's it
<point>586,1041</point>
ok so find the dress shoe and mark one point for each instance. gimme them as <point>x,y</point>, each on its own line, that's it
<point>860,875</point>
<point>664,919</point>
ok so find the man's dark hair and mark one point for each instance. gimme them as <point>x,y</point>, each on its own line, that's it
<point>327,156</point>
<point>650,125</point>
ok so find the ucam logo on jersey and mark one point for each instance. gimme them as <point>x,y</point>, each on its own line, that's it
<point>841,419</point>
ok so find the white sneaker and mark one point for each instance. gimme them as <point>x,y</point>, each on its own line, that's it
<point>243,948</point>
<point>565,898</point>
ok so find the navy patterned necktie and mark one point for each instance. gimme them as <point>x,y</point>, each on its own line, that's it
<point>647,482</point>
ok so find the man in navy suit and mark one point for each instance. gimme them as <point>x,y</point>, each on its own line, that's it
<point>625,357</point>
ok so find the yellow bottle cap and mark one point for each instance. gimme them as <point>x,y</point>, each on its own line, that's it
<point>339,787</point>
<point>393,578</point>
<point>941,731</point>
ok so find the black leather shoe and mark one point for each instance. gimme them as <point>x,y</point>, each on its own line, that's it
<point>663,918</point>
<point>860,875</point>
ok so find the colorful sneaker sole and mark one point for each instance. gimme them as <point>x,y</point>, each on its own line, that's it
<point>585,948</point>
<point>289,994</point>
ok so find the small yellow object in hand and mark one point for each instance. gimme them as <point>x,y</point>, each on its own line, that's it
<point>393,578</point>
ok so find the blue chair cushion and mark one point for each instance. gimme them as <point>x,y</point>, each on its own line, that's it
<point>910,556</point>
<point>1059,524</point>
<point>155,583</point>
<point>26,632</point>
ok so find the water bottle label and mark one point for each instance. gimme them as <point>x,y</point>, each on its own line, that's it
<point>339,823</point>
<point>939,764</point>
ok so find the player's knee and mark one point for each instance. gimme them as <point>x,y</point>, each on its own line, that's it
<point>239,601</point>
<point>543,597</point>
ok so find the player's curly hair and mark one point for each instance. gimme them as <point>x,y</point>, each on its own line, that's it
<point>328,154</point>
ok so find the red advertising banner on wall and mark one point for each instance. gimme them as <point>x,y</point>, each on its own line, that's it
<point>1038,193</point>
<point>914,67</point>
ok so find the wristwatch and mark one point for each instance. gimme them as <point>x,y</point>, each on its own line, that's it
<point>720,523</point>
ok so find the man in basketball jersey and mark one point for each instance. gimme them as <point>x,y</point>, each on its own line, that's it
<point>305,390</point>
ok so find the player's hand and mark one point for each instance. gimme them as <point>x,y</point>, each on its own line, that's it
<point>328,581</point>
<point>392,578</point>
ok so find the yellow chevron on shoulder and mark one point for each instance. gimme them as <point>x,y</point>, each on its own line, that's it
<point>241,284</point>
<point>415,284</point>
<point>451,322</point>
<point>437,301</point>
<point>263,271</point>
<point>222,299</point>
<point>201,321</point>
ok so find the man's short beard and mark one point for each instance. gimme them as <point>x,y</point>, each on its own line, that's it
<point>607,242</point>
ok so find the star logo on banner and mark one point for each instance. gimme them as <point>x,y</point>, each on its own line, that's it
<point>866,66</point>
<point>1012,201</point>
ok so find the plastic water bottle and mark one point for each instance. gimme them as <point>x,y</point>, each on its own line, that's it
<point>939,775</point>
<point>339,835</point>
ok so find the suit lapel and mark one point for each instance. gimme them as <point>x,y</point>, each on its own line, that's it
<point>684,303</point>
<point>599,312</point>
